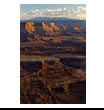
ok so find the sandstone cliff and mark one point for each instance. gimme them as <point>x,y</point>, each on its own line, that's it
<point>31,29</point>
<point>42,29</point>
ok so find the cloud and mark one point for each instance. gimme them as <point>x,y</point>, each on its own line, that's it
<point>78,13</point>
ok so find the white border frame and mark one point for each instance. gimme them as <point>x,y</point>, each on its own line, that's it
<point>10,52</point>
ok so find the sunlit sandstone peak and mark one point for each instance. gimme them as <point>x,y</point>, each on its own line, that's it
<point>54,26</point>
<point>30,27</point>
<point>42,29</point>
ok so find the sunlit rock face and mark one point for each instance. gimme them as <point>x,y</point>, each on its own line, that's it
<point>30,30</point>
<point>30,27</point>
<point>52,25</point>
<point>42,29</point>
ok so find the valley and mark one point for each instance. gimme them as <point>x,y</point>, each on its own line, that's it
<point>52,63</point>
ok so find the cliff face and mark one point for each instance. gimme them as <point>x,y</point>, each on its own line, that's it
<point>30,30</point>
<point>41,29</point>
<point>30,27</point>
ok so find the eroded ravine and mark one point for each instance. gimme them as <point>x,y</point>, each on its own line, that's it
<point>55,83</point>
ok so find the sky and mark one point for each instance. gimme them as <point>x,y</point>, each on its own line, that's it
<point>75,11</point>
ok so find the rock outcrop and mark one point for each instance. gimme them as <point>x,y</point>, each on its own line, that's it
<point>53,80</point>
<point>32,29</point>
<point>42,29</point>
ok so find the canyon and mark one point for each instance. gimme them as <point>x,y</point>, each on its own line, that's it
<point>52,63</point>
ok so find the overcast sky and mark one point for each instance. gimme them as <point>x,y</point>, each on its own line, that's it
<point>76,11</point>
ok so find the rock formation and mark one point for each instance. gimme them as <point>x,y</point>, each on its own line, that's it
<point>42,29</point>
<point>31,29</point>
<point>46,85</point>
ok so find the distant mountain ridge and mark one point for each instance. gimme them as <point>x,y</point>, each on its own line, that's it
<point>58,21</point>
<point>51,19</point>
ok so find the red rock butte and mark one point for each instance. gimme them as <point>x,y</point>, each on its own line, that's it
<point>42,29</point>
